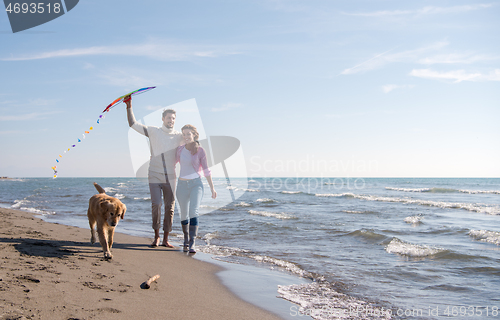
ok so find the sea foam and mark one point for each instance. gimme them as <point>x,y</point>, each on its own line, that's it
<point>475,207</point>
<point>486,236</point>
<point>24,205</point>
<point>277,215</point>
<point>220,251</point>
<point>412,250</point>
<point>415,220</point>
<point>320,301</point>
<point>480,191</point>
<point>242,204</point>
<point>142,198</point>
<point>225,251</point>
<point>443,190</point>
<point>282,264</point>
<point>409,189</point>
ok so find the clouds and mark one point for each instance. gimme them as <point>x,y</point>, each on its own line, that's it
<point>369,64</point>
<point>132,75</point>
<point>9,106</point>
<point>428,10</point>
<point>382,59</point>
<point>456,75</point>
<point>35,102</point>
<point>128,77</point>
<point>430,55</point>
<point>162,50</point>
<point>456,58</point>
<point>456,66</point>
<point>26,116</point>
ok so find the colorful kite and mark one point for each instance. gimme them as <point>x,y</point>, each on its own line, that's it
<point>111,105</point>
<point>120,99</point>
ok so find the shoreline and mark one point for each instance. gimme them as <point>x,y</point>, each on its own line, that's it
<point>51,271</point>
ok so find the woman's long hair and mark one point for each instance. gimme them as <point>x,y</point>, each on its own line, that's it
<point>192,146</point>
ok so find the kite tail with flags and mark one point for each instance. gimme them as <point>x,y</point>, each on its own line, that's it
<point>99,119</point>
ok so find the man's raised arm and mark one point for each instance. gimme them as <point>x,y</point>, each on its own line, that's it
<point>142,129</point>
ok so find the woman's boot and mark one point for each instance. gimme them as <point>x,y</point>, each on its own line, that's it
<point>193,232</point>
<point>185,228</point>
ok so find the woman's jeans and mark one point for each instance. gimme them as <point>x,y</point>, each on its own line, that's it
<point>189,194</point>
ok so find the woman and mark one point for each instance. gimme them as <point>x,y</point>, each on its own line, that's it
<point>193,160</point>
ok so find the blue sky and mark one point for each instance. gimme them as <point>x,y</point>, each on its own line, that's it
<point>375,88</point>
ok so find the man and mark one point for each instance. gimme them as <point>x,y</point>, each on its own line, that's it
<point>163,143</point>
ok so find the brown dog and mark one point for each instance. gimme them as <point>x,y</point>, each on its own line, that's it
<point>106,212</point>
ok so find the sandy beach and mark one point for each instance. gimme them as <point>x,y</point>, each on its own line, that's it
<point>51,271</point>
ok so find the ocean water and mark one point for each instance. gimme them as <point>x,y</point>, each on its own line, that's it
<point>405,248</point>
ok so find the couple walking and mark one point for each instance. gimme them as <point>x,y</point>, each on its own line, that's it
<point>167,147</point>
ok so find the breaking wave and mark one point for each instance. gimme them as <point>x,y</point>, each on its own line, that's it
<point>24,205</point>
<point>486,236</point>
<point>443,190</point>
<point>243,204</point>
<point>290,192</point>
<point>415,220</point>
<point>110,189</point>
<point>400,247</point>
<point>277,215</point>
<point>319,301</point>
<point>225,251</point>
<point>493,210</point>
<point>480,191</point>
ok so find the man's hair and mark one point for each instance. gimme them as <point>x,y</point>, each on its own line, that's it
<point>167,111</point>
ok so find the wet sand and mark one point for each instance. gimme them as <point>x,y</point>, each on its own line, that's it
<point>51,271</point>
